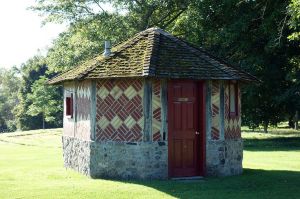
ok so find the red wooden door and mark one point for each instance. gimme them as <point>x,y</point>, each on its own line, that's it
<point>183,127</point>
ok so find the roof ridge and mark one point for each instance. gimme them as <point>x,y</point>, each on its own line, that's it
<point>154,38</point>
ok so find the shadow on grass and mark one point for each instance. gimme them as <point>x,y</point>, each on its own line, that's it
<point>272,144</point>
<point>252,183</point>
<point>288,132</point>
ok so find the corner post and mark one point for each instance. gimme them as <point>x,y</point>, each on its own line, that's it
<point>147,110</point>
<point>222,111</point>
<point>208,111</point>
<point>93,110</point>
<point>164,109</point>
<point>75,106</point>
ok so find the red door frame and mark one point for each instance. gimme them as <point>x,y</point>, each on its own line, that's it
<point>202,128</point>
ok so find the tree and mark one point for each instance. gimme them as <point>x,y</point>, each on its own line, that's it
<point>83,41</point>
<point>293,94</point>
<point>139,14</point>
<point>260,36</point>
<point>9,86</point>
<point>294,19</point>
<point>91,24</point>
<point>254,35</point>
<point>44,101</point>
<point>32,71</point>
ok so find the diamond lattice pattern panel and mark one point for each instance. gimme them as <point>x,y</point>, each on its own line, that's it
<point>119,110</point>
<point>83,101</point>
<point>83,96</point>
<point>232,124</point>
<point>156,111</point>
<point>215,99</point>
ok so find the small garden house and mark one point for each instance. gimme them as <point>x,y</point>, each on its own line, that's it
<point>153,107</point>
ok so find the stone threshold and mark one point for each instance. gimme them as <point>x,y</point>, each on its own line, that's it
<point>188,178</point>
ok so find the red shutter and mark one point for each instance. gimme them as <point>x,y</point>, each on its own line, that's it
<point>69,106</point>
<point>68,100</point>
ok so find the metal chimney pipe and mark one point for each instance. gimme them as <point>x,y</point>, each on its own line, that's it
<point>107,48</point>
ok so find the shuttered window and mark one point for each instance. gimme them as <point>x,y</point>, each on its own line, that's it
<point>233,98</point>
<point>69,106</point>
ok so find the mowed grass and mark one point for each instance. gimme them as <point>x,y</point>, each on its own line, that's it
<point>31,166</point>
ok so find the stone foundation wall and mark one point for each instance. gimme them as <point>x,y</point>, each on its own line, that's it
<point>120,160</point>
<point>144,160</point>
<point>76,154</point>
<point>224,158</point>
<point>141,160</point>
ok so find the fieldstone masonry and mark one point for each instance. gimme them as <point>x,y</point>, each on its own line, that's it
<point>139,160</point>
<point>224,158</point>
<point>76,154</point>
<point>132,160</point>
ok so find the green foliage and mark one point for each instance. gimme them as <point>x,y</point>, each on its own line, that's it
<point>139,14</point>
<point>261,36</point>
<point>44,100</point>
<point>149,13</point>
<point>91,24</point>
<point>294,20</point>
<point>9,86</point>
<point>85,40</point>
<point>34,69</point>
<point>254,35</point>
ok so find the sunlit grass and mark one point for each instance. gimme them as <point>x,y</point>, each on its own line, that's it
<point>31,166</point>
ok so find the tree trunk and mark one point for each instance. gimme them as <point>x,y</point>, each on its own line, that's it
<point>265,127</point>
<point>296,120</point>
<point>291,122</point>
<point>43,121</point>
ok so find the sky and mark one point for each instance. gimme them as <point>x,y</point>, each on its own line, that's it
<point>22,34</point>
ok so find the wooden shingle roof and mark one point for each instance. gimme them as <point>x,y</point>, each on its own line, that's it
<point>155,53</point>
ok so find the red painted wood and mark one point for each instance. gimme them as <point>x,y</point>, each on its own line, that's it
<point>202,91</point>
<point>69,106</point>
<point>185,146</point>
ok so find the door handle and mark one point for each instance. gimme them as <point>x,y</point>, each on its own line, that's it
<point>197,133</point>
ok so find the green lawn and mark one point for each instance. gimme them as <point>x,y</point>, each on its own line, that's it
<point>31,166</point>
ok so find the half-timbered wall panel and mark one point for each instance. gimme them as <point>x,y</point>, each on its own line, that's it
<point>232,123</point>
<point>156,110</point>
<point>119,114</point>
<point>83,110</point>
<point>78,124</point>
<point>215,110</point>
